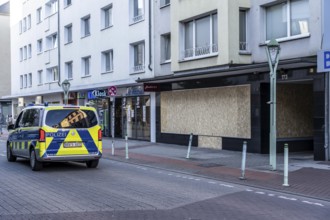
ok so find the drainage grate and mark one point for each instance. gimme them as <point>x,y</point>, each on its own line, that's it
<point>209,165</point>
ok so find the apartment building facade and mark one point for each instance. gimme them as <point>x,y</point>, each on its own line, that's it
<point>5,103</point>
<point>102,48</point>
<point>219,88</point>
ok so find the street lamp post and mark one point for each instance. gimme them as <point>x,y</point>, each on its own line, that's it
<point>66,88</point>
<point>273,51</point>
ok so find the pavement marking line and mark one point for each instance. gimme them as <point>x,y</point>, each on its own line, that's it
<point>313,203</point>
<point>226,185</point>
<point>287,198</point>
<point>261,193</point>
<point>211,182</point>
<point>249,190</point>
<point>271,195</point>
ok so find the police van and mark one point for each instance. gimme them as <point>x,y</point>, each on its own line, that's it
<point>56,133</point>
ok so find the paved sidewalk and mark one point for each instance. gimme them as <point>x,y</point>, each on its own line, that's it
<point>306,176</point>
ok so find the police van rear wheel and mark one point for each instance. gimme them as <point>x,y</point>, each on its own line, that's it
<point>92,163</point>
<point>10,156</point>
<point>34,163</point>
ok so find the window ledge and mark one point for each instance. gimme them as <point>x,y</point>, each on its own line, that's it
<point>108,27</point>
<point>137,72</point>
<point>107,72</point>
<point>66,6</point>
<point>244,52</point>
<point>291,38</point>
<point>165,62</point>
<point>136,22</point>
<point>40,84</point>
<point>38,53</point>
<point>199,57</point>
<point>83,77</point>
<point>87,35</point>
<point>164,6</point>
<point>69,42</point>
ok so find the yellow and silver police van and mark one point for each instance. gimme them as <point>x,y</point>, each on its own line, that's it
<point>56,133</point>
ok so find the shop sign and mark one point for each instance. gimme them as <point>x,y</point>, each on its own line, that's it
<point>151,87</point>
<point>136,90</point>
<point>94,94</point>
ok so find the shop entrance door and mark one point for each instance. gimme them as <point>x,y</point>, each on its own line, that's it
<point>136,117</point>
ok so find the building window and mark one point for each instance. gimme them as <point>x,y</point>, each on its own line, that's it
<point>21,54</point>
<point>138,57</point>
<point>20,26</point>
<point>85,66</point>
<point>85,26</point>
<point>21,81</point>
<point>52,41</point>
<point>106,14</point>
<point>200,37</point>
<point>164,3</point>
<point>68,69</point>
<point>136,10</point>
<point>67,3</point>
<point>25,53</point>
<point>25,81</point>
<point>107,61</point>
<point>52,74</point>
<point>51,7</point>
<point>68,34</point>
<point>165,48</point>
<point>29,52</point>
<point>30,80</point>
<point>40,77</point>
<point>39,46</point>
<point>242,30</point>
<point>38,15</point>
<point>24,24</point>
<point>28,22</point>
<point>287,19</point>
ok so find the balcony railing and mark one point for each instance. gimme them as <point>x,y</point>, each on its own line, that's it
<point>138,68</point>
<point>201,51</point>
<point>243,46</point>
<point>138,18</point>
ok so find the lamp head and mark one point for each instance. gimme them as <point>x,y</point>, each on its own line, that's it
<point>273,48</point>
<point>66,85</point>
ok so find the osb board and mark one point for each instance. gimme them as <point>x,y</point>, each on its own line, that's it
<point>210,142</point>
<point>222,112</point>
<point>294,110</point>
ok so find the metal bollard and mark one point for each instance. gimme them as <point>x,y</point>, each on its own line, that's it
<point>126,147</point>
<point>112,148</point>
<point>189,145</point>
<point>243,161</point>
<point>286,165</point>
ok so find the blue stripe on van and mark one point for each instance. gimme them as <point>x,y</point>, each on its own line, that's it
<point>55,145</point>
<point>88,141</point>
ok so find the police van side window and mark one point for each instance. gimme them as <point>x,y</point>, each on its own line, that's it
<point>19,120</point>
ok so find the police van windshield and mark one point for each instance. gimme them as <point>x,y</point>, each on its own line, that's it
<point>71,118</point>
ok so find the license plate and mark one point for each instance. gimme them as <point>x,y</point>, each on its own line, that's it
<point>72,144</point>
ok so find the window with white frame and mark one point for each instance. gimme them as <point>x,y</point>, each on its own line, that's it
<point>28,22</point>
<point>30,80</point>
<point>24,52</point>
<point>164,2</point>
<point>136,10</point>
<point>51,7</point>
<point>138,57</point>
<point>200,37</point>
<point>40,78</point>
<point>287,19</point>
<point>29,51</point>
<point>39,46</point>
<point>20,26</point>
<point>85,66</point>
<point>85,26</point>
<point>68,70</point>
<point>24,24</point>
<point>165,48</point>
<point>243,46</point>
<point>51,41</point>
<point>21,81</point>
<point>25,81</point>
<point>38,15</point>
<point>106,14</point>
<point>107,61</point>
<point>67,3</point>
<point>68,34</point>
<point>21,56</point>
<point>52,74</point>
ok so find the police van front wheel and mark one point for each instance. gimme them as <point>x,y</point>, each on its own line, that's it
<point>10,156</point>
<point>34,163</point>
<point>92,163</point>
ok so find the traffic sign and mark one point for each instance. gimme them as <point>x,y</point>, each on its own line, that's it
<point>323,61</point>
<point>112,90</point>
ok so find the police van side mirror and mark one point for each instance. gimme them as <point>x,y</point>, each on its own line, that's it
<point>11,127</point>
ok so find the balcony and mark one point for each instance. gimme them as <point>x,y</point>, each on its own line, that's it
<point>197,52</point>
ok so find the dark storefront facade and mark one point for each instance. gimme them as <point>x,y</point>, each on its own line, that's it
<point>244,97</point>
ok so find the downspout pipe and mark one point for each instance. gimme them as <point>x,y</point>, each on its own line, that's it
<point>150,35</point>
<point>58,44</point>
